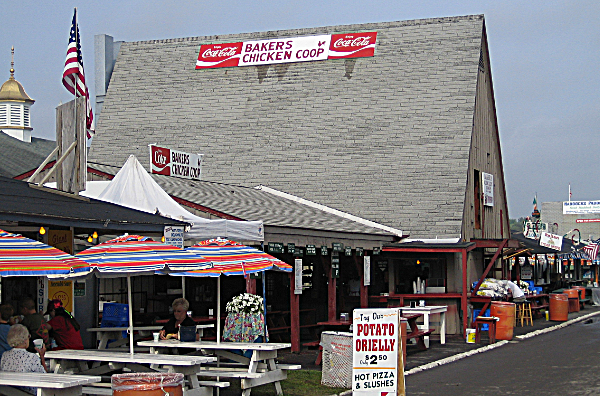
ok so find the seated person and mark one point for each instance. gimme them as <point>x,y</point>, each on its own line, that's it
<point>63,327</point>
<point>6,313</point>
<point>35,323</point>
<point>18,359</point>
<point>180,318</point>
<point>517,293</point>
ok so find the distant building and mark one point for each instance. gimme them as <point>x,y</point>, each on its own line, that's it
<point>574,219</point>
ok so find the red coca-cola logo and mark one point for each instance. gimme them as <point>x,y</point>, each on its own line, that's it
<point>352,42</point>
<point>219,53</point>
<point>161,157</point>
<point>352,45</point>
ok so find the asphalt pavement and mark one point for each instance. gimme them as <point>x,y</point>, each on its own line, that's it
<point>548,358</point>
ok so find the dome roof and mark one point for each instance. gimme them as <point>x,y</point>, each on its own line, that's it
<point>13,90</point>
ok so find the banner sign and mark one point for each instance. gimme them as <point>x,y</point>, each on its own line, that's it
<point>488,188</point>
<point>164,161</point>
<point>61,290</point>
<point>298,276</point>
<point>551,241</point>
<point>375,368</point>
<point>367,270</point>
<point>287,50</point>
<point>581,207</point>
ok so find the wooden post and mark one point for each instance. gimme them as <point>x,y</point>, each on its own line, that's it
<point>364,290</point>
<point>401,356</point>
<point>463,298</point>
<point>251,284</point>
<point>294,316</point>
<point>331,290</point>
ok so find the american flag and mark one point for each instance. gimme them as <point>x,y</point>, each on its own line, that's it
<point>592,249</point>
<point>73,75</point>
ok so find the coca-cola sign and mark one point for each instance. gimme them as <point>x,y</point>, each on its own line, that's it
<point>164,161</point>
<point>352,45</point>
<point>286,50</point>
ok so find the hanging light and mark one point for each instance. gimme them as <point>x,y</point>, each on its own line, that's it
<point>95,235</point>
<point>90,239</point>
<point>42,231</point>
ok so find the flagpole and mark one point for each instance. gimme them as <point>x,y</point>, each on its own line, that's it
<point>569,192</point>
<point>76,81</point>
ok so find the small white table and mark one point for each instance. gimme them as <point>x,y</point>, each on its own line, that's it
<point>262,367</point>
<point>188,365</point>
<point>47,384</point>
<point>426,311</point>
<point>105,334</point>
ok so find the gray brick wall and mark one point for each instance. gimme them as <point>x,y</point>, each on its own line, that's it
<point>385,138</point>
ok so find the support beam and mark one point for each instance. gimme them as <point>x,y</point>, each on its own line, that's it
<point>364,290</point>
<point>491,265</point>
<point>294,315</point>
<point>463,298</point>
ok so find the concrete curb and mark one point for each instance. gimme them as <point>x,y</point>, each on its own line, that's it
<point>486,348</point>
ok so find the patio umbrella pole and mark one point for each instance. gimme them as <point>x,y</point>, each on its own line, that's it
<point>129,301</point>
<point>264,275</point>
<point>219,310</point>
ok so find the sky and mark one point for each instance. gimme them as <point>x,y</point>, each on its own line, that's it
<point>545,58</point>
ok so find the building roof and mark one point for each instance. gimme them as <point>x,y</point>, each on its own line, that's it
<point>19,157</point>
<point>386,138</point>
<point>29,204</point>
<point>245,203</point>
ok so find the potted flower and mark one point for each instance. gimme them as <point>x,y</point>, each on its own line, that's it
<point>245,321</point>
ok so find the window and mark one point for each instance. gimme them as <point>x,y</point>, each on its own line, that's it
<point>3,114</point>
<point>26,117</point>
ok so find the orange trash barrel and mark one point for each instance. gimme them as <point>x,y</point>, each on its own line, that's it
<point>573,299</point>
<point>581,290</point>
<point>506,312</point>
<point>559,307</point>
<point>147,384</point>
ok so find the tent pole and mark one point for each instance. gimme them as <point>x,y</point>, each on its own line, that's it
<point>130,301</point>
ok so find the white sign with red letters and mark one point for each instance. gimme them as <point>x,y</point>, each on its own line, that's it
<point>376,343</point>
<point>286,50</point>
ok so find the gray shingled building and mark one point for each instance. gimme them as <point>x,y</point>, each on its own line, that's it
<point>403,138</point>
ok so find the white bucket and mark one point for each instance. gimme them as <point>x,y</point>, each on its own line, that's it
<point>470,336</point>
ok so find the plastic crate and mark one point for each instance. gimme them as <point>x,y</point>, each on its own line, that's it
<point>484,327</point>
<point>115,312</point>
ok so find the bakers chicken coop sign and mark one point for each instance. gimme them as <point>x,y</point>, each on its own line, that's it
<point>287,50</point>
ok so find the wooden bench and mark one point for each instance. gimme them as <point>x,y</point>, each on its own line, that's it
<point>48,384</point>
<point>419,336</point>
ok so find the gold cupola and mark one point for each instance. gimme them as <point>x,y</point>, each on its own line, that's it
<point>15,107</point>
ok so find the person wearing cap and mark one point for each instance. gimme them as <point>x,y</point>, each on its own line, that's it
<point>63,327</point>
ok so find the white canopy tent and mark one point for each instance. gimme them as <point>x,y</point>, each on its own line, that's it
<point>134,188</point>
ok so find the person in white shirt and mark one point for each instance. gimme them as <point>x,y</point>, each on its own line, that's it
<point>517,293</point>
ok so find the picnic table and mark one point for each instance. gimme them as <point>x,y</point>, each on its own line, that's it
<point>261,368</point>
<point>427,311</point>
<point>77,361</point>
<point>105,334</point>
<point>47,384</point>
